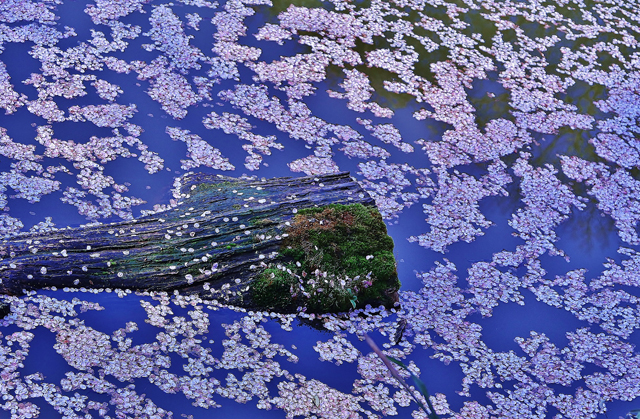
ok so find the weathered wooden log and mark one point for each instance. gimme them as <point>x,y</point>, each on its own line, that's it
<point>227,237</point>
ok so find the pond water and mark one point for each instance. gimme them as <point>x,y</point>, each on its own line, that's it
<point>498,139</point>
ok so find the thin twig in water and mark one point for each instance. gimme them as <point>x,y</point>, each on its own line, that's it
<point>431,412</point>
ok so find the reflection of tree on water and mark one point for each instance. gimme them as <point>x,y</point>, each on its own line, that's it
<point>547,148</point>
<point>489,99</point>
<point>589,230</point>
<point>281,5</point>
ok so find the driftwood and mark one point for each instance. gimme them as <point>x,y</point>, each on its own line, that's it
<point>216,242</point>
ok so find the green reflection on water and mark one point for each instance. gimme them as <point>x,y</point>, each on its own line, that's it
<point>489,103</point>
<point>282,5</point>
<point>568,142</point>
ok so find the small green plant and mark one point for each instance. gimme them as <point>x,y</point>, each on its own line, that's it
<point>387,361</point>
<point>634,414</point>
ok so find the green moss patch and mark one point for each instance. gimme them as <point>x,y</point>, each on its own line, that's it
<point>337,258</point>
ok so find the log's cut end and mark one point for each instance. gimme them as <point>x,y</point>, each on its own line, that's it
<point>336,257</point>
<point>276,244</point>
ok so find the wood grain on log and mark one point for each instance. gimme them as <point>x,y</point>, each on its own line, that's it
<point>216,242</point>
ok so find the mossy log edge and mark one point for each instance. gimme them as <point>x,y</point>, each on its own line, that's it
<point>216,242</point>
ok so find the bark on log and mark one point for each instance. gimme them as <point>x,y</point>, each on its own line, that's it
<point>216,242</point>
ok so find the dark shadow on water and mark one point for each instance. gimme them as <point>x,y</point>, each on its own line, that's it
<point>584,96</point>
<point>589,238</point>
<point>548,148</point>
<point>490,100</point>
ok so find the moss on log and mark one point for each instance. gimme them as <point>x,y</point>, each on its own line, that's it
<point>315,242</point>
<point>340,257</point>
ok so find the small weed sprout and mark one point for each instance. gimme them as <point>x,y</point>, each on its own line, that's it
<point>633,414</point>
<point>387,361</point>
